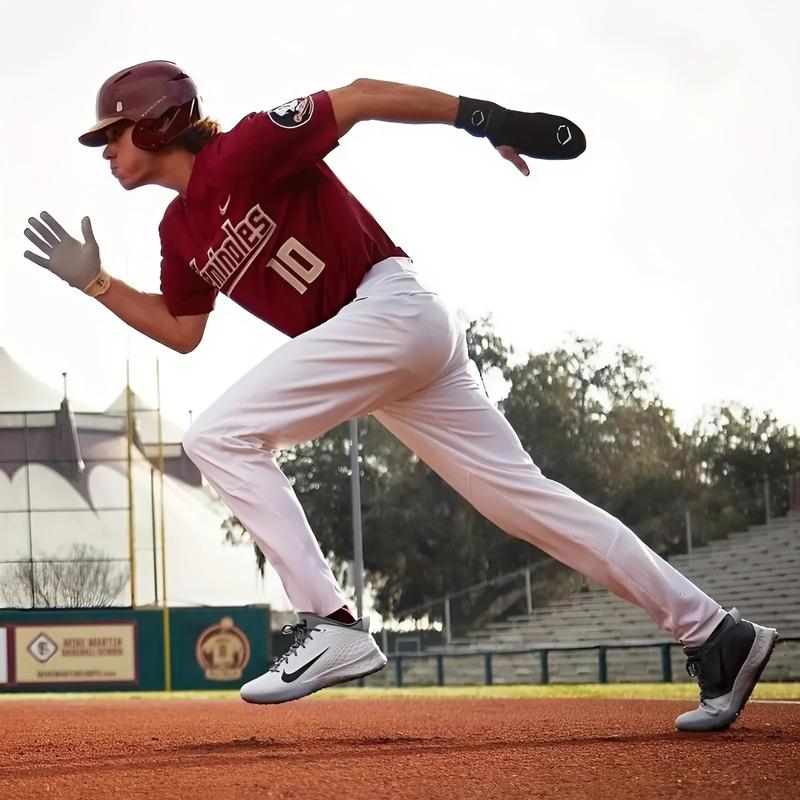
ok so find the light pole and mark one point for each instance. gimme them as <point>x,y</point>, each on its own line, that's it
<point>358,545</point>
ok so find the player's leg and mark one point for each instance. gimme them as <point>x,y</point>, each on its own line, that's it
<point>393,339</point>
<point>376,349</point>
<point>455,429</point>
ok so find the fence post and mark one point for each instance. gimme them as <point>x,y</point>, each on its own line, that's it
<point>666,663</point>
<point>545,667</point>
<point>448,636</point>
<point>398,671</point>
<point>602,664</point>
<point>487,668</point>
<point>688,531</point>
<point>440,669</point>
<point>528,595</point>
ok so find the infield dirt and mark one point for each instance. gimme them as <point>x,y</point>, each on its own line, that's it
<point>358,749</point>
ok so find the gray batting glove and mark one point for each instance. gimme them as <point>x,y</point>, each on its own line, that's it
<point>77,264</point>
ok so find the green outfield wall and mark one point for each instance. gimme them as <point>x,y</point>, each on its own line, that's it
<point>113,649</point>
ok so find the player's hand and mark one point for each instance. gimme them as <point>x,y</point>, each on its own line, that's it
<point>74,262</point>
<point>510,154</point>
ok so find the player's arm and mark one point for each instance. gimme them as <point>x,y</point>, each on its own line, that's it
<point>366,99</point>
<point>512,133</point>
<point>148,314</point>
<point>79,265</point>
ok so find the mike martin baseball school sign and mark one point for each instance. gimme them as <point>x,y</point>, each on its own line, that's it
<point>62,653</point>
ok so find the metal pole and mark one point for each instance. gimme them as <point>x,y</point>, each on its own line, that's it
<point>29,515</point>
<point>448,636</point>
<point>767,509</point>
<point>165,608</point>
<point>358,543</point>
<point>688,531</point>
<point>528,594</point>
<point>153,530</point>
<point>131,525</point>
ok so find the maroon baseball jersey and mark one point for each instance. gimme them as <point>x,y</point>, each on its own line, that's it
<point>266,222</point>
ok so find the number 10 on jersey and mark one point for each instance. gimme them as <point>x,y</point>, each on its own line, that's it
<point>287,264</point>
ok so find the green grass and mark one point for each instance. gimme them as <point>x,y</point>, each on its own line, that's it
<point>637,691</point>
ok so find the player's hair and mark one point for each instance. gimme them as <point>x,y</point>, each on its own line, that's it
<point>194,137</point>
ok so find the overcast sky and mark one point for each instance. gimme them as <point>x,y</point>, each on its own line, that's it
<point>675,234</point>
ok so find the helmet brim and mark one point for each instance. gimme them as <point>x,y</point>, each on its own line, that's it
<point>96,135</point>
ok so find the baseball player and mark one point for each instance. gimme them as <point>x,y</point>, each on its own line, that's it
<point>259,216</point>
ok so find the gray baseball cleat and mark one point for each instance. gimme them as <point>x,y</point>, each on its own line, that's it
<point>727,668</point>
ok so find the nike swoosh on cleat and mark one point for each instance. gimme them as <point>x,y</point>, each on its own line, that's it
<point>288,677</point>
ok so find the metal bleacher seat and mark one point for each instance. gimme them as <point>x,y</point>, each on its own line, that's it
<point>757,570</point>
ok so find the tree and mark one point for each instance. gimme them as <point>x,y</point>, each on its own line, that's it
<point>735,450</point>
<point>85,578</point>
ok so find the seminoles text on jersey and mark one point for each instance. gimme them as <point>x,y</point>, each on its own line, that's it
<point>238,251</point>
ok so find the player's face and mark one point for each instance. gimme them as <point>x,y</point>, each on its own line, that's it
<point>130,165</point>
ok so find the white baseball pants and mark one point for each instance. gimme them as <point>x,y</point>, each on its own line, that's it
<point>396,353</point>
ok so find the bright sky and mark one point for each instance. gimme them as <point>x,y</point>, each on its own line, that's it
<point>675,234</point>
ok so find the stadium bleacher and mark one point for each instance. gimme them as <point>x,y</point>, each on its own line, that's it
<point>757,570</point>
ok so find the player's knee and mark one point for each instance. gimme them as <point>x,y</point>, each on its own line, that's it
<point>190,442</point>
<point>199,440</point>
<point>211,435</point>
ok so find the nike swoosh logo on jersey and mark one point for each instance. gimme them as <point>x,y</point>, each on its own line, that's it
<point>288,677</point>
<point>223,209</point>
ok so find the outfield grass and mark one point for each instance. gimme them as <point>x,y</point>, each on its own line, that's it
<point>636,691</point>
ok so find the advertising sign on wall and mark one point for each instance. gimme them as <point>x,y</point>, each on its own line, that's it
<point>96,652</point>
<point>222,651</point>
<point>3,656</point>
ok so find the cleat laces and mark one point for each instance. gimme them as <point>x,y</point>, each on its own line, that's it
<point>301,634</point>
<point>694,668</point>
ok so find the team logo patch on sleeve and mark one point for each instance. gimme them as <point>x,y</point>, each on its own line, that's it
<point>294,113</point>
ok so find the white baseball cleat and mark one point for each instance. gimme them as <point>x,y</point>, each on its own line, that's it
<point>324,652</point>
<point>727,667</point>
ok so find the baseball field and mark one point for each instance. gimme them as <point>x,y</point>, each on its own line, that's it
<point>489,742</point>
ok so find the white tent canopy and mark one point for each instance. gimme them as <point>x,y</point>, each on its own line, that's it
<point>20,391</point>
<point>46,507</point>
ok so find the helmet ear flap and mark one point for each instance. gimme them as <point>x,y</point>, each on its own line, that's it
<point>153,134</point>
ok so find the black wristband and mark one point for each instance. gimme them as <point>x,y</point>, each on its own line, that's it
<point>474,116</point>
<point>536,134</point>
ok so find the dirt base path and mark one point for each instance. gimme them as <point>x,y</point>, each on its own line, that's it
<point>421,749</point>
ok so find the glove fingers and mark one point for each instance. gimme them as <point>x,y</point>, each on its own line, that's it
<point>43,231</point>
<point>42,262</point>
<point>42,245</point>
<point>57,229</point>
<point>88,233</point>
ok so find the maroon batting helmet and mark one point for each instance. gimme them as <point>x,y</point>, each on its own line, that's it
<point>157,96</point>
